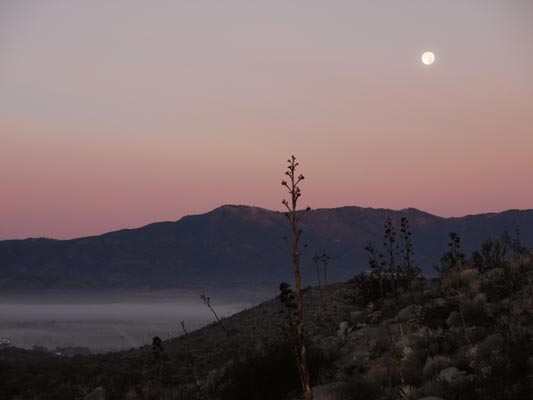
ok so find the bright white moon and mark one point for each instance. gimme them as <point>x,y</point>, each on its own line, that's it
<point>428,58</point>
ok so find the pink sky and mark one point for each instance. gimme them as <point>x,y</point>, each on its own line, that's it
<point>117,114</point>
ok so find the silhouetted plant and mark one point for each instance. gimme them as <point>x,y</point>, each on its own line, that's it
<point>453,261</point>
<point>377,267</point>
<point>515,243</point>
<point>408,269</point>
<point>288,300</point>
<point>157,355</point>
<point>316,259</point>
<point>207,302</point>
<point>385,267</point>
<point>491,255</point>
<point>454,258</point>
<point>391,249</point>
<point>321,260</point>
<point>367,289</point>
<point>293,216</point>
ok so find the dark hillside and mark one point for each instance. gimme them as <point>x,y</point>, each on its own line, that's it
<point>234,244</point>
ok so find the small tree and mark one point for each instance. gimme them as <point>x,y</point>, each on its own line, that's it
<point>294,216</point>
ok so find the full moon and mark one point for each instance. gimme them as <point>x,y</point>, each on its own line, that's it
<point>428,58</point>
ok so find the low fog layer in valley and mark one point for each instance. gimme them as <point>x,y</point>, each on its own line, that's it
<point>105,321</point>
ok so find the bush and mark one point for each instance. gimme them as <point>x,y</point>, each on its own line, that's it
<point>271,374</point>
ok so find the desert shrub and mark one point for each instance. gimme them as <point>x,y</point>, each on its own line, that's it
<point>382,373</point>
<point>436,364</point>
<point>411,370</point>
<point>435,388</point>
<point>434,315</point>
<point>464,277</point>
<point>495,285</point>
<point>358,388</point>
<point>453,258</point>
<point>269,375</point>
<point>414,293</point>
<point>366,289</point>
<point>501,370</point>
<point>378,347</point>
<point>432,346</point>
<point>492,254</point>
<point>476,312</point>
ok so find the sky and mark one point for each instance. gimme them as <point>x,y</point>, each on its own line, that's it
<point>115,114</point>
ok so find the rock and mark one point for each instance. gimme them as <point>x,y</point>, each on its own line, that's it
<point>481,298</point>
<point>469,273</point>
<point>344,329</point>
<point>454,319</point>
<point>410,312</point>
<point>97,394</point>
<point>402,343</point>
<point>451,375</point>
<point>440,302</point>
<point>357,317</point>
<point>431,398</point>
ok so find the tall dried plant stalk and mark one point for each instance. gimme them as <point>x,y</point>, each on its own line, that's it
<point>292,185</point>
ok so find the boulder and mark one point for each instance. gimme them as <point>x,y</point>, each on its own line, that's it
<point>440,302</point>
<point>481,298</point>
<point>344,325</point>
<point>357,317</point>
<point>451,375</point>
<point>409,313</point>
<point>344,329</point>
<point>454,319</point>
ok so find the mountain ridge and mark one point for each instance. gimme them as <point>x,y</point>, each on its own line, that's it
<point>235,242</point>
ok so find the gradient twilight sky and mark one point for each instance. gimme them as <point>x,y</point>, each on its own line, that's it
<point>115,114</point>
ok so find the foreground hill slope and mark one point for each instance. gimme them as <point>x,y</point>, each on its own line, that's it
<point>467,335</point>
<point>234,243</point>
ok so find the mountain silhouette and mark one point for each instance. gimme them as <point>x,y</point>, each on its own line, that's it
<point>237,244</point>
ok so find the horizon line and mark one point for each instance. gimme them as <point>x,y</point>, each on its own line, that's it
<point>269,210</point>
